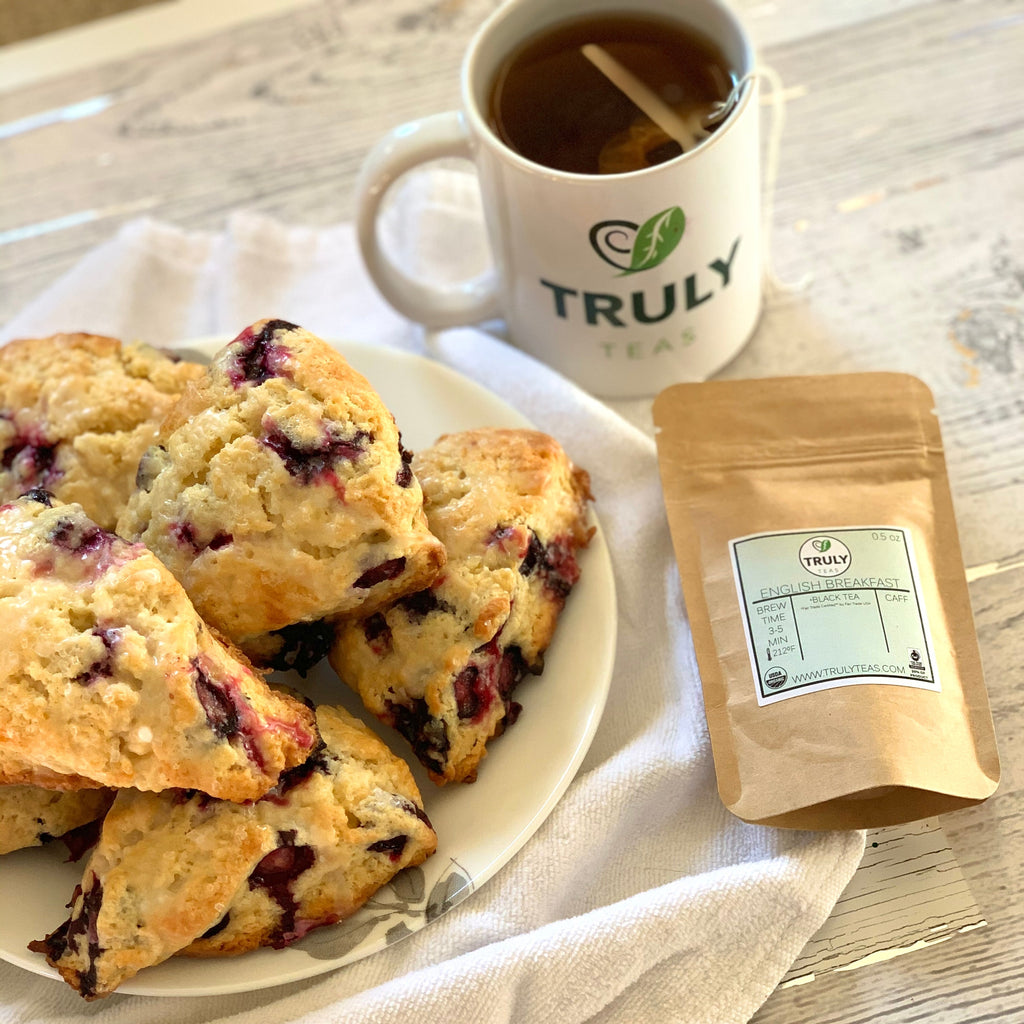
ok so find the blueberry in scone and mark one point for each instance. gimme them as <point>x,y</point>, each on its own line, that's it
<point>31,815</point>
<point>279,491</point>
<point>108,677</point>
<point>180,872</point>
<point>299,647</point>
<point>440,665</point>
<point>76,413</point>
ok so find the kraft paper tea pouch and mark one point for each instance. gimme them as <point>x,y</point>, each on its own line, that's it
<point>813,525</point>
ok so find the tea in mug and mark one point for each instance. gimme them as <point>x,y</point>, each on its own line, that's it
<point>552,105</point>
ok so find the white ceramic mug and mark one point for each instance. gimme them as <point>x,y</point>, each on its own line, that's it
<point>569,277</point>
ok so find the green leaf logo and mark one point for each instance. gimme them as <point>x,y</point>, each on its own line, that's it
<point>656,238</point>
<point>822,545</point>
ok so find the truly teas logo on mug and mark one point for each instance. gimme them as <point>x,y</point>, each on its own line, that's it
<point>631,247</point>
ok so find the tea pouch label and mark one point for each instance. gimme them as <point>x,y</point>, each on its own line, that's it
<point>814,530</point>
<point>832,607</point>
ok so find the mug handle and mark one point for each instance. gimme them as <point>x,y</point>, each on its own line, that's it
<point>401,150</point>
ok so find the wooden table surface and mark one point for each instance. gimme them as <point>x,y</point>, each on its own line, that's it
<point>898,216</point>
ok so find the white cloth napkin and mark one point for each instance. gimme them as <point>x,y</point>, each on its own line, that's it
<point>640,900</point>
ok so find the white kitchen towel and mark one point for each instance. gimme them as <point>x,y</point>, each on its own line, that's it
<point>640,900</point>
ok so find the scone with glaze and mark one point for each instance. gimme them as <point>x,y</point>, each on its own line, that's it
<point>165,866</point>
<point>76,413</point>
<point>279,491</point>
<point>440,665</point>
<point>108,677</point>
<point>345,823</point>
<point>179,872</point>
<point>31,815</point>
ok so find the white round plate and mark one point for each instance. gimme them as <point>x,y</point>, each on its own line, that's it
<point>480,826</point>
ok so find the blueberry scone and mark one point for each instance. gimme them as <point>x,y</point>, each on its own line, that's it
<point>440,665</point>
<point>344,824</point>
<point>76,413</point>
<point>108,677</point>
<point>179,872</point>
<point>279,491</point>
<point>31,815</point>
<point>165,866</point>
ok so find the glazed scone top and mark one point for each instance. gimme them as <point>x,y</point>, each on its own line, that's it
<point>507,499</point>
<point>76,413</point>
<point>467,477</point>
<point>108,677</point>
<point>346,822</point>
<point>279,491</point>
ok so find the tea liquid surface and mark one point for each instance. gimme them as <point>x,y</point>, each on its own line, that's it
<point>550,104</point>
